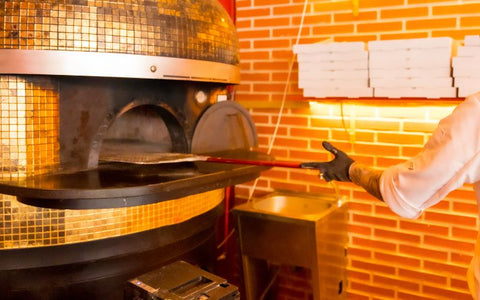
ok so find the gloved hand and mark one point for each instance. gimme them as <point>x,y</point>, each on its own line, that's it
<point>336,169</point>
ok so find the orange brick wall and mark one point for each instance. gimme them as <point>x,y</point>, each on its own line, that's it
<point>388,257</point>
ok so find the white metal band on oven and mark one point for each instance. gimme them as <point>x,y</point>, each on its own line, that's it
<point>72,63</point>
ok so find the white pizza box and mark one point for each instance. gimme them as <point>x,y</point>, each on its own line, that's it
<point>339,65</point>
<point>349,92</point>
<point>412,82</point>
<point>416,92</point>
<point>465,71</point>
<point>334,83</point>
<point>465,91</point>
<point>467,81</point>
<point>329,47</point>
<point>312,71</point>
<point>472,40</point>
<point>437,53</point>
<point>332,56</point>
<point>424,61</point>
<point>422,43</point>
<point>466,62</point>
<point>470,51</point>
<point>410,72</point>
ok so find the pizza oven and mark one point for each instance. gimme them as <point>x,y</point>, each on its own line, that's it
<point>82,82</point>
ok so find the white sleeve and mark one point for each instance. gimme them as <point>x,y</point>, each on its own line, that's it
<point>449,159</point>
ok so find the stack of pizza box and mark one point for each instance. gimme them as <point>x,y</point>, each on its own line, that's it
<point>466,66</point>
<point>411,68</point>
<point>333,70</point>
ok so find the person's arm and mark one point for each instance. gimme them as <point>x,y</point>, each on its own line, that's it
<point>343,168</point>
<point>366,177</point>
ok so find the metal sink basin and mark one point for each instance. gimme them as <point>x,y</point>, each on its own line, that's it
<point>293,206</point>
<point>296,229</point>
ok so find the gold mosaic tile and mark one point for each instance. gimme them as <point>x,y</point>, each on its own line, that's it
<point>181,28</point>
<point>29,134</point>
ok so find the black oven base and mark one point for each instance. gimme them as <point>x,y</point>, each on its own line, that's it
<point>100,269</point>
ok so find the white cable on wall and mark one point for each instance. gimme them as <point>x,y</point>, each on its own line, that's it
<point>284,97</point>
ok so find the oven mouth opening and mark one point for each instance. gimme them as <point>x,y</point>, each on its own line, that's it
<point>143,129</point>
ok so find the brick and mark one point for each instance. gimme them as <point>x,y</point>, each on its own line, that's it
<point>421,276</point>
<point>253,12</point>
<point>412,296</point>
<point>353,275</point>
<point>331,6</point>
<point>403,35</point>
<point>289,32</point>
<point>243,3</point>
<point>382,27</point>
<point>356,38</point>
<point>464,8</point>
<point>292,120</point>
<point>271,22</point>
<point>270,2</point>
<point>314,19</point>
<point>288,9</point>
<point>291,143</point>
<point>268,87</point>
<point>446,243</point>
<point>373,289</point>
<point>349,17</point>
<point>377,150</point>
<point>249,77</point>
<point>450,218</point>
<point>253,55</point>
<point>378,125</point>
<point>309,133</point>
<point>361,230</point>
<point>269,130</point>
<point>380,3</point>
<point>400,138</point>
<point>422,252</point>
<point>459,284</point>
<point>418,227</point>
<point>470,21</point>
<point>464,233</point>
<point>396,283</point>
<point>466,207</point>
<point>419,126</point>
<point>270,65</point>
<point>399,236</point>
<point>378,268</point>
<point>288,186</point>
<point>404,12</point>
<point>426,1</point>
<point>445,268</point>
<point>328,122</point>
<point>373,244</point>
<point>365,207</point>
<point>456,34</point>
<point>431,23</point>
<point>242,24</point>
<point>333,29</point>
<point>251,97</point>
<point>278,43</point>
<point>253,34</point>
<point>396,259</point>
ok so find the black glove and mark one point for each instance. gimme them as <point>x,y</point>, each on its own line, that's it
<point>336,169</point>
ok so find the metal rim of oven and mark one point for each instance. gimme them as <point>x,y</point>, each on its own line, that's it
<point>72,63</point>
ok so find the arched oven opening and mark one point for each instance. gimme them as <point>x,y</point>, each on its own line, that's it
<point>143,128</point>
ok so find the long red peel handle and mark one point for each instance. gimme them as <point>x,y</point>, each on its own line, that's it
<point>283,164</point>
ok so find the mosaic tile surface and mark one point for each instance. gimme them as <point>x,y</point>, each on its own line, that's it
<point>29,132</point>
<point>189,29</point>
